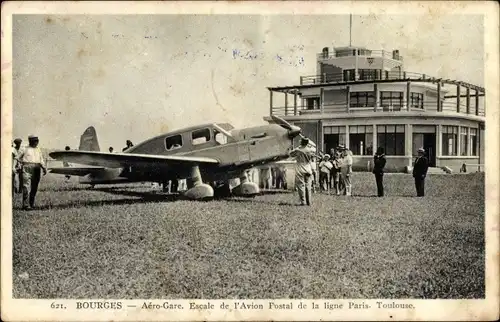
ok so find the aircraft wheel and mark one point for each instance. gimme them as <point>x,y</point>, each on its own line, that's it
<point>247,189</point>
<point>200,192</point>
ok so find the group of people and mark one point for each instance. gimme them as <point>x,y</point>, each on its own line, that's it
<point>335,171</point>
<point>28,165</point>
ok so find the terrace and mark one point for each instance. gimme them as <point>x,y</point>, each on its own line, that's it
<point>465,97</point>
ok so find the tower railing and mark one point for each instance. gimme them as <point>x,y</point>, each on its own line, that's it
<point>341,108</point>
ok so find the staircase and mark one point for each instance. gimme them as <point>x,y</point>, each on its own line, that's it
<point>431,170</point>
<point>436,170</point>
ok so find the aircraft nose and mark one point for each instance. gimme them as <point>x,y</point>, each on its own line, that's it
<point>294,131</point>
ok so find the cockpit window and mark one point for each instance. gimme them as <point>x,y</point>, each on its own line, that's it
<point>173,142</point>
<point>220,138</point>
<point>200,136</point>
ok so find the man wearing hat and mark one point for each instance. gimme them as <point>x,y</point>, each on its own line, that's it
<point>420,168</point>
<point>33,164</point>
<point>346,170</point>
<point>17,180</point>
<point>325,166</point>
<point>303,155</point>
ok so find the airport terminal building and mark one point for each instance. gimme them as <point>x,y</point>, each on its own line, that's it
<point>365,98</point>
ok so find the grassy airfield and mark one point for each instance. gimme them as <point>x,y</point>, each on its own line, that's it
<point>132,242</point>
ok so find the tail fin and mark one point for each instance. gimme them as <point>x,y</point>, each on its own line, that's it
<point>88,140</point>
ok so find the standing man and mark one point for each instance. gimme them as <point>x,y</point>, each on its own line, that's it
<point>325,166</point>
<point>378,170</point>
<point>303,155</point>
<point>346,171</point>
<point>32,164</point>
<point>420,168</point>
<point>17,176</point>
<point>110,149</point>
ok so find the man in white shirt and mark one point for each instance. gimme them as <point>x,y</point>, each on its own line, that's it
<point>303,155</point>
<point>33,164</point>
<point>346,171</point>
<point>17,180</point>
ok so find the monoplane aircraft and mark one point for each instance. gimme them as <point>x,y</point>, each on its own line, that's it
<point>202,155</point>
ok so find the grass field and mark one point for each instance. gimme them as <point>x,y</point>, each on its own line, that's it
<point>129,242</point>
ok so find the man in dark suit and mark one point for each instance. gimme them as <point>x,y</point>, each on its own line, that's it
<point>378,170</point>
<point>420,172</point>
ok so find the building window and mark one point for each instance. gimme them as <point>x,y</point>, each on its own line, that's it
<point>349,74</point>
<point>362,99</point>
<point>450,140</point>
<point>312,103</point>
<point>464,142</point>
<point>333,136</point>
<point>367,74</point>
<point>391,101</point>
<point>361,139</point>
<point>473,141</point>
<point>417,100</point>
<point>391,138</point>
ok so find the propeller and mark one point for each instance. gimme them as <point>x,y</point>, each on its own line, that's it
<point>293,130</point>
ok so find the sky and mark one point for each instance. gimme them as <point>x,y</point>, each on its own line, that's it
<point>137,76</point>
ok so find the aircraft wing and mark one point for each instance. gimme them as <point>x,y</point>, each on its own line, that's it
<point>75,171</point>
<point>119,160</point>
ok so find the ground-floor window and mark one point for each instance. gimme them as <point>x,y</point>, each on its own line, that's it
<point>361,139</point>
<point>473,141</point>
<point>391,138</point>
<point>464,142</point>
<point>333,136</point>
<point>450,140</point>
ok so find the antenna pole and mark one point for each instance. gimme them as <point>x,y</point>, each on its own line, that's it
<point>350,30</point>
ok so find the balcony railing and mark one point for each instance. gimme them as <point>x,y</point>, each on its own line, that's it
<point>361,53</point>
<point>341,107</point>
<point>376,75</point>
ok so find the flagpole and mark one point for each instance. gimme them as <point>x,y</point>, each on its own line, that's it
<point>350,30</point>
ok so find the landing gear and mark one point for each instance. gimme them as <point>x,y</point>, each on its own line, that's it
<point>246,188</point>
<point>197,190</point>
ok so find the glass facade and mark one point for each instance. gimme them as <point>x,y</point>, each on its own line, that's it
<point>473,141</point>
<point>361,139</point>
<point>333,136</point>
<point>464,142</point>
<point>391,138</point>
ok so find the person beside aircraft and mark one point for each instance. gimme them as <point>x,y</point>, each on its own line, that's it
<point>33,164</point>
<point>304,155</point>
<point>17,177</point>
<point>379,162</point>
<point>335,172</point>
<point>325,167</point>
<point>420,168</point>
<point>281,177</point>
<point>346,171</point>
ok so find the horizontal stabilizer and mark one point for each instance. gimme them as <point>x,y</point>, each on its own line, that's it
<point>118,160</point>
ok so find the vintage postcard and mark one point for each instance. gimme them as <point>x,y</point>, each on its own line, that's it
<point>227,161</point>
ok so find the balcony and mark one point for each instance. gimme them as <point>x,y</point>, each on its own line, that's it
<point>332,53</point>
<point>341,108</point>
